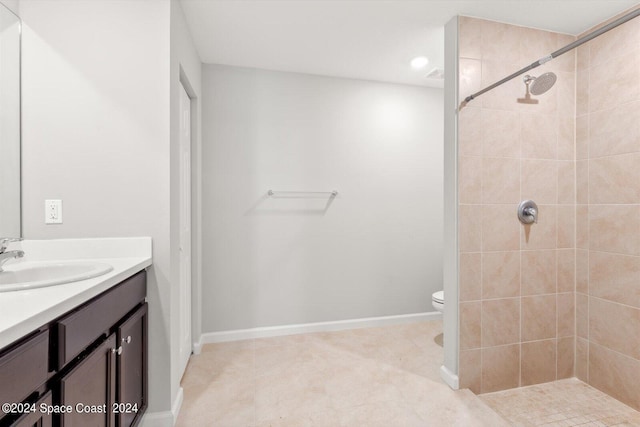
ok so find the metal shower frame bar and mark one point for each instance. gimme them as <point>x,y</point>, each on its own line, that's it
<point>629,16</point>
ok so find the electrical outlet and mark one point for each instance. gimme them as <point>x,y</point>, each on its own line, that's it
<point>53,211</point>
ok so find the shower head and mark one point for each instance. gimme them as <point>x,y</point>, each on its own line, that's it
<point>540,84</point>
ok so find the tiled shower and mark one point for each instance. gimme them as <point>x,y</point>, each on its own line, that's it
<point>559,298</point>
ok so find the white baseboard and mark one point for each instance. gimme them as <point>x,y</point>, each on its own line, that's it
<point>197,346</point>
<point>164,418</point>
<point>276,331</point>
<point>449,377</point>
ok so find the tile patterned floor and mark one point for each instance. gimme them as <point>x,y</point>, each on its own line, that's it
<point>386,377</point>
<point>562,403</point>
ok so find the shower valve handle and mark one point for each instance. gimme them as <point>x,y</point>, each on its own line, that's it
<point>528,212</point>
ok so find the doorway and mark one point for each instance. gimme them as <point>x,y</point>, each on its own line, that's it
<point>185,228</point>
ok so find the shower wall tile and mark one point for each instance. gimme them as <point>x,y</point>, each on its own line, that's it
<point>469,38</point>
<point>470,322</point>
<point>582,271</point>
<point>582,315</point>
<point>499,229</point>
<point>582,359</point>
<point>539,136</point>
<point>539,317</point>
<point>566,226</point>
<point>469,228</point>
<point>566,357</point>
<point>470,276</point>
<point>500,274</point>
<point>582,137</point>
<point>615,228</point>
<point>582,92</point>
<point>618,42</point>
<point>582,181</point>
<point>538,272</point>
<point>503,97</point>
<point>615,277</point>
<point>470,180</point>
<point>566,85</point>
<point>615,374</point>
<point>526,284</point>
<point>566,305</point>
<point>582,226</point>
<point>470,132</point>
<point>566,182</point>
<point>538,362</point>
<point>500,133</point>
<point>614,326</point>
<point>500,321</point>
<point>582,57</point>
<point>500,368</point>
<point>566,137</point>
<point>540,181</point>
<point>470,370</point>
<point>608,271</point>
<point>500,180</point>
<point>566,264</point>
<point>615,130</point>
<point>536,44</point>
<point>501,42</point>
<point>611,179</point>
<point>543,234</point>
<point>470,77</point>
<point>566,62</point>
<point>607,90</point>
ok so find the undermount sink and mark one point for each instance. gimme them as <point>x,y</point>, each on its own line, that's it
<point>29,275</point>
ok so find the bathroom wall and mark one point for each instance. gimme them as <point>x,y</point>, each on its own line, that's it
<point>608,213</point>
<point>97,86</point>
<point>186,69</point>
<point>516,284</point>
<point>374,250</point>
<point>13,5</point>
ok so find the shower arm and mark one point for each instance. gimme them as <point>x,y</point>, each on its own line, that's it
<point>629,16</point>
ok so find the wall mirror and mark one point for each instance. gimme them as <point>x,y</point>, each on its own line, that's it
<point>10,199</point>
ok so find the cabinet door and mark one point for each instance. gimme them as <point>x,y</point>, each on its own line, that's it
<point>91,384</point>
<point>36,418</point>
<point>132,369</point>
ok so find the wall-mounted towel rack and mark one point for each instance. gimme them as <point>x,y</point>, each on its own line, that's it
<point>291,193</point>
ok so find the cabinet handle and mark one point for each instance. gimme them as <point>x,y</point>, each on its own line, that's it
<point>117,351</point>
<point>127,339</point>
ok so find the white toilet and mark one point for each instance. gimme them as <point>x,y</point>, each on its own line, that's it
<point>437,299</point>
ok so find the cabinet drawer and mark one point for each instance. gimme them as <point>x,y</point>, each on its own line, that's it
<point>24,368</point>
<point>78,330</point>
<point>37,418</point>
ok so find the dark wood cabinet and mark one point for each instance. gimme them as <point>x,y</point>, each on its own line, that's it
<point>132,369</point>
<point>90,364</point>
<point>24,368</point>
<point>89,388</point>
<point>37,418</point>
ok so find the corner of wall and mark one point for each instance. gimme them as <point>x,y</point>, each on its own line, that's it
<point>450,250</point>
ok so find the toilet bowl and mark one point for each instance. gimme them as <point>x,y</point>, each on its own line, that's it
<point>437,299</point>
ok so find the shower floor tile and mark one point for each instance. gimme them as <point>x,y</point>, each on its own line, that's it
<point>387,377</point>
<point>561,403</point>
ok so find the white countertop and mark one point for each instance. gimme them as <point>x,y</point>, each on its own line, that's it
<point>22,312</point>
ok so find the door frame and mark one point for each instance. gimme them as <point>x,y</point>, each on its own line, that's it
<point>196,217</point>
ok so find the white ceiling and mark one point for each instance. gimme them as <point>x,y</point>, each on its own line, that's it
<point>362,39</point>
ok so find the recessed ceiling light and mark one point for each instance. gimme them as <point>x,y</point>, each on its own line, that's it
<point>419,62</point>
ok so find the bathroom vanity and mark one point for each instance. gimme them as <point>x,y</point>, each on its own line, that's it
<point>85,364</point>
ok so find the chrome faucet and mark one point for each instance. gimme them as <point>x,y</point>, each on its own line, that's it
<point>7,255</point>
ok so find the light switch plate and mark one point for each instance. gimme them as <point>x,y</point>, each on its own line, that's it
<point>53,211</point>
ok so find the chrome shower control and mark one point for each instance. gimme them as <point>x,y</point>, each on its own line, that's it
<point>528,212</point>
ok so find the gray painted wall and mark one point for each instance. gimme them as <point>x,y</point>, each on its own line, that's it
<point>96,115</point>
<point>375,250</point>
